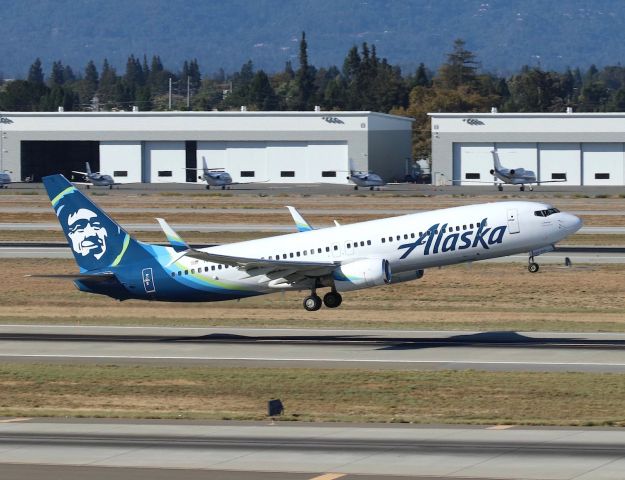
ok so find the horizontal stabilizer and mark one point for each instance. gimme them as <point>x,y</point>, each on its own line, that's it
<point>101,277</point>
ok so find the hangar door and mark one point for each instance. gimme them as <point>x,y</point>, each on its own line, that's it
<point>472,163</point>
<point>277,161</point>
<point>41,158</point>
<point>165,162</point>
<point>121,160</point>
<point>603,163</point>
<point>559,161</point>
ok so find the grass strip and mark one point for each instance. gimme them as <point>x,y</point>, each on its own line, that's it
<point>465,397</point>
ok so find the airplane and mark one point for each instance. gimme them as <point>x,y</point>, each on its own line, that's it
<point>216,177</point>
<point>342,258</point>
<point>365,179</point>
<point>5,179</point>
<point>96,179</point>
<point>513,176</point>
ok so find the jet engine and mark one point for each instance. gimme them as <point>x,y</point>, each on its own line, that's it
<point>492,171</point>
<point>406,276</point>
<point>362,274</point>
<point>512,171</point>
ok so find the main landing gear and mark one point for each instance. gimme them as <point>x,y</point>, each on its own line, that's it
<point>313,302</point>
<point>530,188</point>
<point>532,266</point>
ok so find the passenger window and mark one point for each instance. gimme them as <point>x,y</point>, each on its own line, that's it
<point>219,267</point>
<point>383,240</point>
<point>327,249</point>
<point>186,272</point>
<point>291,254</point>
<point>368,242</point>
<point>464,227</point>
<point>305,252</point>
<point>471,225</point>
<point>390,239</point>
<point>319,250</point>
<point>312,251</point>
<point>212,267</point>
<point>349,245</point>
<point>284,255</point>
<point>336,247</point>
<point>179,273</point>
<point>398,238</point>
<point>297,253</point>
<point>405,236</point>
<point>362,244</point>
<point>206,269</point>
<point>412,235</point>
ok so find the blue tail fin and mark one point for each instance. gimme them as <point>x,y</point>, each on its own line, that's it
<point>97,241</point>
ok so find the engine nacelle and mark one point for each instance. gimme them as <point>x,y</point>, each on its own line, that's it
<point>492,171</point>
<point>406,276</point>
<point>362,274</point>
<point>512,172</point>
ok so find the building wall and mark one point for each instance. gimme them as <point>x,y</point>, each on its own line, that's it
<point>320,138</point>
<point>588,147</point>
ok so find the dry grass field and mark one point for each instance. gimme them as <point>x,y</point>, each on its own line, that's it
<point>312,395</point>
<point>471,297</point>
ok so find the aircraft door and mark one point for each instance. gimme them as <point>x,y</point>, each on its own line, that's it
<point>513,221</point>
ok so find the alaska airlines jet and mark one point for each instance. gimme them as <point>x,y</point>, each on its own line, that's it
<point>341,258</point>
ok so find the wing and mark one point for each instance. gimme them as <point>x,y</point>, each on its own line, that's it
<point>80,173</point>
<point>253,266</point>
<point>550,181</point>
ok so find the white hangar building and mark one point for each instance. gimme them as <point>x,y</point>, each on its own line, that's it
<point>583,148</point>
<point>293,147</point>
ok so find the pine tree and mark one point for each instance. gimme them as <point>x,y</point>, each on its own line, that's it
<point>460,68</point>
<point>56,74</point>
<point>304,78</point>
<point>35,73</point>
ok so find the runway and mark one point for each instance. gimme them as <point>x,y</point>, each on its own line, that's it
<point>133,449</point>
<point>273,348</point>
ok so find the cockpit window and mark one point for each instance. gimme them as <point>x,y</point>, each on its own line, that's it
<point>546,213</point>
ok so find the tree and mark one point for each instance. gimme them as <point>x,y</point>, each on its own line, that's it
<point>262,95</point>
<point>460,68</point>
<point>35,73</point>
<point>56,74</point>
<point>304,78</point>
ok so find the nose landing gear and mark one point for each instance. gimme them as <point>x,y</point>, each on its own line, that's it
<point>532,266</point>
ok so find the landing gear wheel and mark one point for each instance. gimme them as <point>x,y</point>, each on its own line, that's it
<point>533,267</point>
<point>223,187</point>
<point>208,187</point>
<point>356,187</point>
<point>332,299</point>
<point>522,188</point>
<point>371,188</point>
<point>500,187</point>
<point>312,303</point>
<point>531,188</point>
<point>110,187</point>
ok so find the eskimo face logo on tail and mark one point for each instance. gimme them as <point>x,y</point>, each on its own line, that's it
<point>87,233</point>
<point>436,240</point>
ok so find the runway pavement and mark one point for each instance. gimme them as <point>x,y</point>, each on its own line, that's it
<point>270,348</point>
<point>134,449</point>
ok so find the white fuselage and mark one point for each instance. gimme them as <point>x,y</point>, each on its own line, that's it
<point>517,176</point>
<point>410,242</point>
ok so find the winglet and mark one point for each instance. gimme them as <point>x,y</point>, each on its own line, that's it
<point>178,244</point>
<point>301,224</point>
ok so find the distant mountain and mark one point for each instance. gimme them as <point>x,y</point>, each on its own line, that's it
<point>505,34</point>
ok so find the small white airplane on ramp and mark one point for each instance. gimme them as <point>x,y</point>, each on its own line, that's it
<point>512,176</point>
<point>217,177</point>
<point>95,179</point>
<point>5,179</point>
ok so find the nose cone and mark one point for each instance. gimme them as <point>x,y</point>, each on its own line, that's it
<point>571,223</point>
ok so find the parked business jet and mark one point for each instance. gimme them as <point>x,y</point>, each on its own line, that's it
<point>96,179</point>
<point>365,179</point>
<point>341,258</point>
<point>5,179</point>
<point>217,177</point>
<point>515,176</point>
